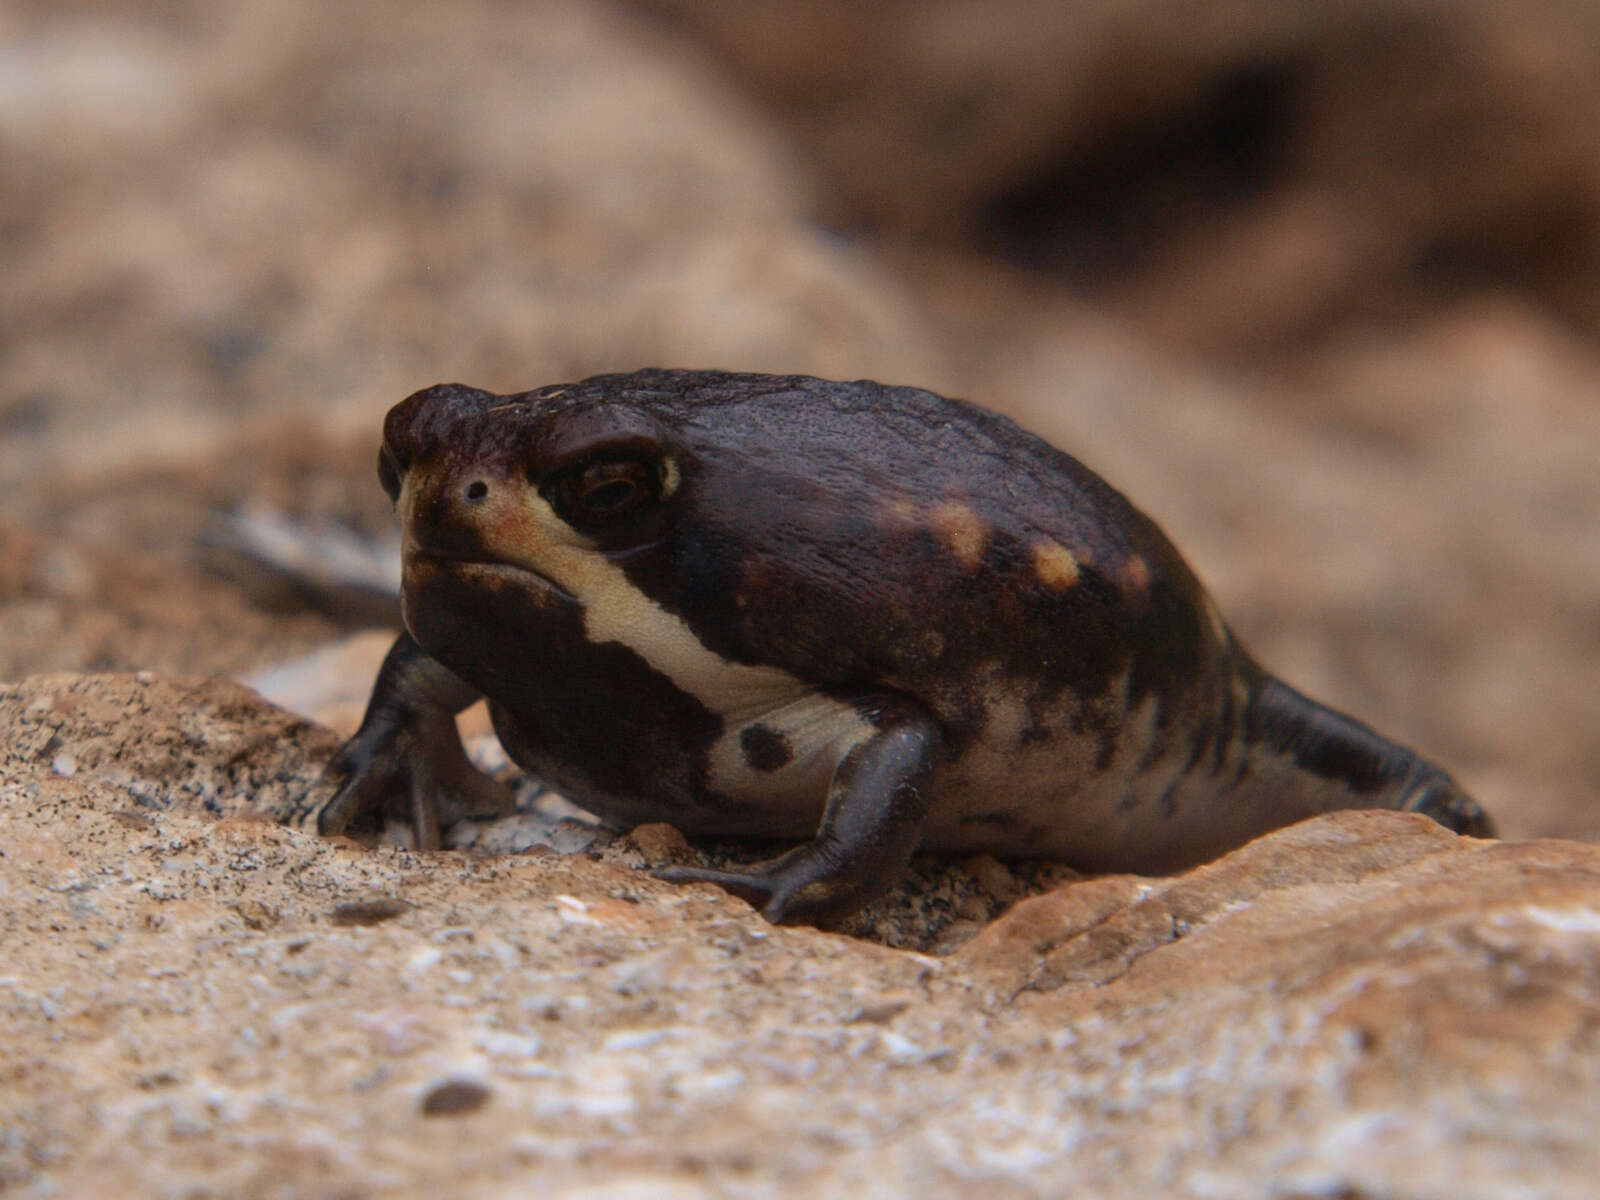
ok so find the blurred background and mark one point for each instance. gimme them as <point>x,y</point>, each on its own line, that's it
<point>1317,285</point>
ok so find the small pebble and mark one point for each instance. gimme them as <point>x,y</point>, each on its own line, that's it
<point>368,912</point>
<point>454,1097</point>
<point>659,842</point>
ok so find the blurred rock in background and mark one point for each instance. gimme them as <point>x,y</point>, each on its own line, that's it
<point>1308,164</point>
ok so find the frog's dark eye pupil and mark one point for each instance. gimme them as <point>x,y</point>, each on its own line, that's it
<point>610,496</point>
<point>596,495</point>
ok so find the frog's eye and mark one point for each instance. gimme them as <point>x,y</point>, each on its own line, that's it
<point>597,494</point>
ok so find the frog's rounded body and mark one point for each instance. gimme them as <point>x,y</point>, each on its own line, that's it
<point>760,605</point>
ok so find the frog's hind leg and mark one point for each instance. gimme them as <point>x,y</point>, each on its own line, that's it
<point>876,809</point>
<point>1342,763</point>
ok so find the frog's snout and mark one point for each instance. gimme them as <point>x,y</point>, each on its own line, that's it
<point>433,466</point>
<point>446,506</point>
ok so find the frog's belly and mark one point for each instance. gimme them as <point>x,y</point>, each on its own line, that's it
<point>1053,798</point>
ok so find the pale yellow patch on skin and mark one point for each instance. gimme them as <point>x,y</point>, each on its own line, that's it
<point>1053,565</point>
<point>820,732</point>
<point>670,477</point>
<point>962,530</point>
<point>518,526</point>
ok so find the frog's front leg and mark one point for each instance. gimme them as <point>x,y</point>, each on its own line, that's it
<point>406,759</point>
<point>873,821</point>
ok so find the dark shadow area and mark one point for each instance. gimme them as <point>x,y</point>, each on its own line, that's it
<point>1101,210</point>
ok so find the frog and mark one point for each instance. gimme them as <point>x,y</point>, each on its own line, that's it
<point>860,620</point>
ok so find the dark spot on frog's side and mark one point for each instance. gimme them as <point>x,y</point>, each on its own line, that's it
<point>765,749</point>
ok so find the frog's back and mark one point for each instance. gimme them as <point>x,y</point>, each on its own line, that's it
<point>892,537</point>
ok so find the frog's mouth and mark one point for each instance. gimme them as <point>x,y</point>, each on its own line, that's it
<point>493,574</point>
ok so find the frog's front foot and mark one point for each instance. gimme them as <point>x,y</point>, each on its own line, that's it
<point>419,775</point>
<point>406,760</point>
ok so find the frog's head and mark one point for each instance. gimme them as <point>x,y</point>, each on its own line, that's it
<point>523,503</point>
<point>478,477</point>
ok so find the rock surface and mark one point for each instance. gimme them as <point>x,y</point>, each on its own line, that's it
<point>199,1001</point>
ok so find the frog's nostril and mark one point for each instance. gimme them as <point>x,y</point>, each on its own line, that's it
<point>476,490</point>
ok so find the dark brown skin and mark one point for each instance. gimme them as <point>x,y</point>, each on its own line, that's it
<point>868,617</point>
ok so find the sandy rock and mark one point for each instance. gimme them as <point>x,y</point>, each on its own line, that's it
<point>201,746</point>
<point>67,604</point>
<point>1359,1005</point>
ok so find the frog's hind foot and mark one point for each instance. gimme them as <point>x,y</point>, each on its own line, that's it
<point>806,886</point>
<point>1434,794</point>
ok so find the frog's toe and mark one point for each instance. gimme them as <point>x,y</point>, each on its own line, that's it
<point>369,780</point>
<point>794,889</point>
<point>759,890</point>
<point>420,776</point>
<point>335,816</point>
